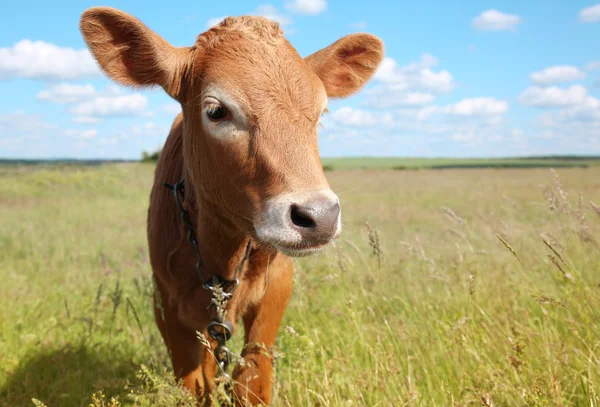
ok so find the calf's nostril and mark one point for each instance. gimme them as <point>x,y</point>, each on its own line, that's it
<point>301,217</point>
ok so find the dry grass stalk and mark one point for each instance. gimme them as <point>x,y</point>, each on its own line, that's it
<point>549,238</point>
<point>583,226</point>
<point>560,192</point>
<point>471,284</point>
<point>548,301</point>
<point>566,274</point>
<point>341,257</point>
<point>556,196</point>
<point>584,230</point>
<point>595,207</point>
<point>554,251</point>
<point>505,243</point>
<point>374,243</point>
<point>452,215</point>
<point>352,245</point>
<point>421,252</point>
<point>551,198</point>
<point>417,250</point>
<point>486,400</point>
<point>460,255</point>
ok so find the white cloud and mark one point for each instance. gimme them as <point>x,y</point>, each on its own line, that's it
<point>437,81</point>
<point>361,118</point>
<point>553,96</point>
<point>481,106</point>
<point>413,84</point>
<point>386,97</point>
<point>66,93</point>
<point>172,108</point>
<point>577,126</point>
<point>149,128</point>
<point>467,135</point>
<point>19,122</point>
<point>214,21</point>
<point>477,108</point>
<point>517,133</point>
<point>558,73</point>
<point>415,98</point>
<point>586,111</point>
<point>85,119</point>
<point>470,122</point>
<point>47,61</point>
<point>359,25</point>
<point>494,20</point>
<point>108,141</point>
<point>145,136</point>
<point>120,105</point>
<point>89,104</point>
<point>590,14</point>
<point>307,6</point>
<point>425,113</point>
<point>272,13</point>
<point>87,134</point>
<point>389,71</point>
<point>416,75</point>
<point>22,134</point>
<point>593,66</point>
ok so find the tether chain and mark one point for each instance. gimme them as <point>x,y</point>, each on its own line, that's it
<point>219,328</point>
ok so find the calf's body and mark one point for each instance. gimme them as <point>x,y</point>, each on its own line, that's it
<point>246,144</point>
<point>181,302</point>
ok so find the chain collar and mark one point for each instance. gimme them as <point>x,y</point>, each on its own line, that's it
<point>219,328</point>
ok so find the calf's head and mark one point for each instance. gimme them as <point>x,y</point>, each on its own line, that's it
<point>251,109</point>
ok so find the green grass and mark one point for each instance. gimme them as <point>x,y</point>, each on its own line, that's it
<point>399,163</point>
<point>468,306</point>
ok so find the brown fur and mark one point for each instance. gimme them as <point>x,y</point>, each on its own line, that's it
<point>227,183</point>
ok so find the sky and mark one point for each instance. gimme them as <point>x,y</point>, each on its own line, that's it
<point>459,78</point>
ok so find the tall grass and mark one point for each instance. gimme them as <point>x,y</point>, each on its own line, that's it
<point>451,288</point>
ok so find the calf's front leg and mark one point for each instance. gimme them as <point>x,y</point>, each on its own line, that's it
<point>253,378</point>
<point>192,363</point>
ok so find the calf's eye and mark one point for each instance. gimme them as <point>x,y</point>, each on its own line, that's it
<point>216,113</point>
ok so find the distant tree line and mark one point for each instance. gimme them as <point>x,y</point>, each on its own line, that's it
<point>153,158</point>
<point>150,157</point>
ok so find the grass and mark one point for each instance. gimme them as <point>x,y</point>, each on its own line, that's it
<point>447,288</point>
<point>377,163</point>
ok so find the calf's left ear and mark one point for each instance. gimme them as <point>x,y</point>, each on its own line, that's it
<point>132,54</point>
<point>347,65</point>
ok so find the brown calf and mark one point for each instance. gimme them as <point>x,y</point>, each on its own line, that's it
<point>246,144</point>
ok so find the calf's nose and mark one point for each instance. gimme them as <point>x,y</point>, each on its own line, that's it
<point>316,220</point>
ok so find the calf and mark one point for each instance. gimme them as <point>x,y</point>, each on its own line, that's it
<point>255,194</point>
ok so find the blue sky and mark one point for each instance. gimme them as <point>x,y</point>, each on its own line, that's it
<point>460,78</point>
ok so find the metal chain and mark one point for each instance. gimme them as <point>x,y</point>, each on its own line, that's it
<point>219,328</point>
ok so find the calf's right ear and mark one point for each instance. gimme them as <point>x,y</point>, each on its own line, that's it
<point>346,65</point>
<point>132,54</point>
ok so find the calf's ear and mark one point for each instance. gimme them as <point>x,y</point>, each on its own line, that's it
<point>132,54</point>
<point>347,65</point>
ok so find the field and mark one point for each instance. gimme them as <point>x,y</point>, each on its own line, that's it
<point>400,163</point>
<point>452,287</point>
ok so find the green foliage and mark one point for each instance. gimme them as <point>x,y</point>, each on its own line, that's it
<point>150,157</point>
<point>447,288</point>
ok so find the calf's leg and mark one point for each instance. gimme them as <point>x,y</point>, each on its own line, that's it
<point>253,379</point>
<point>191,360</point>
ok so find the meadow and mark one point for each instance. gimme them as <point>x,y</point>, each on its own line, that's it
<point>454,287</point>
